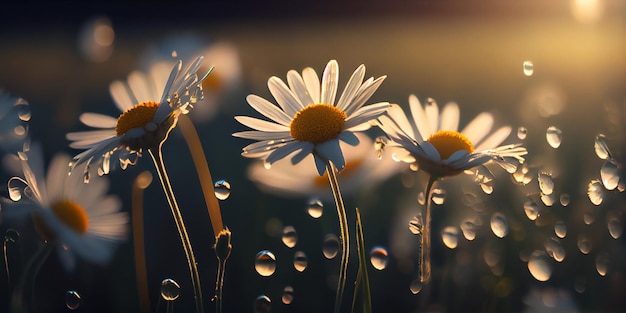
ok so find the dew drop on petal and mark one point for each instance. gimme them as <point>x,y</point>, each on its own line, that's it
<point>450,236</point>
<point>262,304</point>
<point>564,199</point>
<point>72,299</point>
<point>602,263</point>
<point>265,263</point>
<point>315,208</point>
<point>522,132</point>
<point>379,146</point>
<point>595,192</point>
<point>300,261</point>
<point>287,296</point>
<point>554,136</point>
<point>546,184</point>
<point>499,225</point>
<point>290,236</point>
<point>601,148</point>
<point>560,229</point>
<point>86,176</point>
<point>11,236</point>
<point>555,249</point>
<point>379,257</point>
<point>439,196</point>
<point>170,289</point>
<point>539,265</point>
<point>330,246</point>
<point>528,68</point>
<point>222,189</point>
<point>267,165</point>
<point>615,227</point>
<point>415,286</point>
<point>584,244</point>
<point>610,175</point>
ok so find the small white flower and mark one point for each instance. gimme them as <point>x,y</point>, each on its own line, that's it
<point>432,140</point>
<point>308,120</point>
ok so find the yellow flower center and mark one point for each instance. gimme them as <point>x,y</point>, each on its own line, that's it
<point>138,116</point>
<point>72,215</point>
<point>317,123</point>
<point>350,168</point>
<point>448,142</point>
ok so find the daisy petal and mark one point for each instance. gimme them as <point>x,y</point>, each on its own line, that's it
<point>478,128</point>
<point>296,84</point>
<point>98,120</point>
<point>494,139</point>
<point>351,88</point>
<point>261,125</point>
<point>330,79</point>
<point>268,109</point>
<point>421,122</point>
<point>312,82</point>
<point>450,116</point>
<point>330,150</point>
<point>122,97</point>
<point>283,95</point>
<point>349,138</point>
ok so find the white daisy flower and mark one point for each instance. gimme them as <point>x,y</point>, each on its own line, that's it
<point>431,139</point>
<point>363,171</point>
<point>150,105</point>
<point>307,119</point>
<point>79,218</point>
<point>14,117</point>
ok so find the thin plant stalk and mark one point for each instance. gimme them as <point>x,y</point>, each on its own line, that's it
<point>343,228</point>
<point>362,281</point>
<point>425,238</point>
<point>157,157</point>
<point>22,300</point>
<point>140,184</point>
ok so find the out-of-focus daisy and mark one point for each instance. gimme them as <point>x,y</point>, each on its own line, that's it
<point>308,120</point>
<point>431,139</point>
<point>81,219</point>
<point>363,170</point>
<point>14,117</point>
<point>150,105</point>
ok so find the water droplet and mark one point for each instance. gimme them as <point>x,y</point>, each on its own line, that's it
<point>468,228</point>
<point>602,263</point>
<point>580,285</point>
<point>379,146</point>
<point>72,299</point>
<point>560,229</point>
<point>421,198</point>
<point>262,304</point>
<point>24,113</point>
<point>450,236</point>
<point>415,225</point>
<point>487,187</point>
<point>522,132</point>
<point>588,218</point>
<point>548,200</point>
<point>499,224</point>
<point>267,165</point>
<point>315,208</point>
<point>554,136</point>
<point>11,235</point>
<point>222,189</point>
<point>290,236</point>
<point>86,175</point>
<point>528,68</point>
<point>610,175</point>
<point>330,246</point>
<point>19,130</point>
<point>539,266</point>
<point>564,199</point>
<point>379,257</point>
<point>170,289</point>
<point>601,148</point>
<point>415,286</point>
<point>300,261</point>
<point>15,194</point>
<point>287,296</point>
<point>555,249</point>
<point>614,224</point>
<point>265,263</point>
<point>595,192</point>
<point>439,196</point>
<point>531,209</point>
<point>546,184</point>
<point>584,244</point>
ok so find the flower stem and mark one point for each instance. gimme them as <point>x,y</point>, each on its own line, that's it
<point>23,301</point>
<point>362,278</point>
<point>425,238</point>
<point>141,182</point>
<point>343,228</point>
<point>157,157</point>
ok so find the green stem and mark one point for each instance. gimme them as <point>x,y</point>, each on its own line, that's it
<point>157,157</point>
<point>362,278</point>
<point>343,227</point>
<point>425,239</point>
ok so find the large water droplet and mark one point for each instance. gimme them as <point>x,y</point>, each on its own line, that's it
<point>602,263</point>
<point>560,229</point>
<point>72,299</point>
<point>601,148</point>
<point>531,209</point>
<point>379,257</point>
<point>439,196</point>
<point>330,246</point>
<point>522,132</point>
<point>262,304</point>
<point>287,296</point>
<point>170,289</point>
<point>528,67</point>
<point>315,208</point>
<point>564,199</point>
<point>415,286</point>
<point>499,224</point>
<point>554,136</point>
<point>539,265</point>
<point>15,194</point>
<point>615,227</point>
<point>546,184</point>
<point>450,236</point>
<point>548,200</point>
<point>584,244</point>
<point>300,261</point>
<point>610,175</point>
<point>265,263</point>
<point>23,113</point>
<point>222,189</point>
<point>11,235</point>
<point>555,249</point>
<point>290,236</point>
<point>468,228</point>
<point>595,192</point>
<point>415,225</point>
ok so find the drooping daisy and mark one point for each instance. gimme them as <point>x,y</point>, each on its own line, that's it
<point>432,139</point>
<point>14,117</point>
<point>150,105</point>
<point>80,219</point>
<point>308,120</point>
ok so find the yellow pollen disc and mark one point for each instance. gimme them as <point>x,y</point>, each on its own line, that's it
<point>72,215</point>
<point>136,117</point>
<point>448,142</point>
<point>350,168</point>
<point>317,123</point>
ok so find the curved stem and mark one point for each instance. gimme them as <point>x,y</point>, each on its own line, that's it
<point>425,238</point>
<point>343,228</point>
<point>362,279</point>
<point>141,182</point>
<point>23,301</point>
<point>157,157</point>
